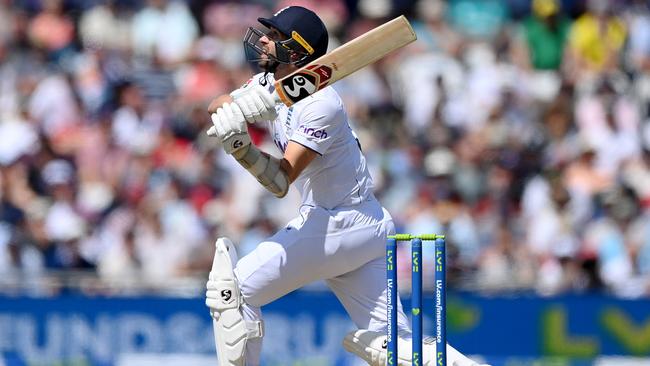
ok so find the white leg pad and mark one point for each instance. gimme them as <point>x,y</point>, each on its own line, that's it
<point>224,299</point>
<point>371,347</point>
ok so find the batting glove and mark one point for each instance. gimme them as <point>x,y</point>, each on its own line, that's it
<point>229,125</point>
<point>256,103</point>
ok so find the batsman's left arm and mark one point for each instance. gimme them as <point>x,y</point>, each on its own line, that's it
<point>274,174</point>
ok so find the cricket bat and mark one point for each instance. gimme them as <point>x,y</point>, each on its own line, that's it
<point>344,60</point>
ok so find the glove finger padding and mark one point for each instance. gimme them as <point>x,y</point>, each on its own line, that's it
<point>241,99</point>
<point>259,106</point>
<point>218,125</point>
<point>230,127</point>
<point>267,100</point>
<point>238,116</point>
<point>256,103</point>
<point>229,118</point>
<point>248,108</point>
<point>266,97</point>
<point>233,118</point>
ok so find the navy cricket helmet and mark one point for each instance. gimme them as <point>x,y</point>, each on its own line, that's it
<point>305,31</point>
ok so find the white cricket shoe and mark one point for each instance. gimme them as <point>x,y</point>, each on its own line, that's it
<point>371,347</point>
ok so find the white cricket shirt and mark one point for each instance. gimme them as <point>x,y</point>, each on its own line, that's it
<point>339,176</point>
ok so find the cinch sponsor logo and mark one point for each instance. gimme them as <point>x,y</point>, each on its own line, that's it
<point>319,134</point>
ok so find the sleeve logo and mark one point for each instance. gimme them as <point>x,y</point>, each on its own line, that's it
<point>309,131</point>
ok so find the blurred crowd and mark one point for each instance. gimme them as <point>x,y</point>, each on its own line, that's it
<point>521,129</point>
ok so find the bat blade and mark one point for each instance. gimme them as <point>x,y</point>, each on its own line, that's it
<point>345,60</point>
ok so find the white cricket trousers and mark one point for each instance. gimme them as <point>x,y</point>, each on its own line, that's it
<point>345,247</point>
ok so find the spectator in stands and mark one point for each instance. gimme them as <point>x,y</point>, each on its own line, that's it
<point>596,41</point>
<point>136,124</point>
<point>64,227</point>
<point>52,30</point>
<point>543,36</point>
<point>608,121</point>
<point>105,27</point>
<point>539,48</point>
<point>165,29</point>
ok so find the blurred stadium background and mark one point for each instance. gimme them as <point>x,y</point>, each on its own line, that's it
<point>519,128</point>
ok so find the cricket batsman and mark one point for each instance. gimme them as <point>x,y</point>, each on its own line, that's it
<point>341,228</point>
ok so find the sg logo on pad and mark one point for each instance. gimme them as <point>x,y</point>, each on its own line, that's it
<point>226,295</point>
